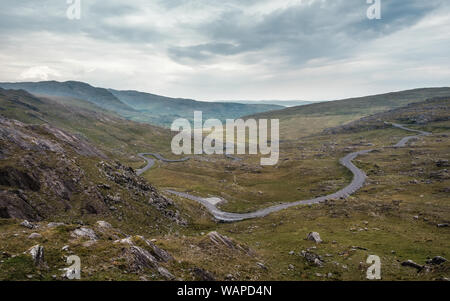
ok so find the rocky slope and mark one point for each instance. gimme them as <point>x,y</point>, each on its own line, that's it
<point>46,173</point>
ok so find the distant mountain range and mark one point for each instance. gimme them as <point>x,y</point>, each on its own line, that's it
<point>284,103</point>
<point>139,106</point>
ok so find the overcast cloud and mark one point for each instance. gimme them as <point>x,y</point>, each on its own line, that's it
<point>230,49</point>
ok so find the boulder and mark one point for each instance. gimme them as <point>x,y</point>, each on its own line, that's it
<point>312,258</point>
<point>84,232</point>
<point>314,236</point>
<point>203,275</point>
<point>410,263</point>
<point>103,224</point>
<point>139,259</point>
<point>54,225</point>
<point>37,253</point>
<point>35,236</point>
<point>27,224</point>
<point>160,254</point>
<point>437,260</point>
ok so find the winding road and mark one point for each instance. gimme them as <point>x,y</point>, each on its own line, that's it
<point>359,178</point>
<point>151,162</point>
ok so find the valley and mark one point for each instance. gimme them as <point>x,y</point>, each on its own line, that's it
<point>64,168</point>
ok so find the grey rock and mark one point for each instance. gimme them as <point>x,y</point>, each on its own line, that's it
<point>261,265</point>
<point>85,233</point>
<point>410,263</point>
<point>312,258</point>
<point>203,275</point>
<point>437,260</point>
<point>103,224</point>
<point>27,224</point>
<point>54,225</point>
<point>34,236</point>
<point>314,236</point>
<point>165,273</point>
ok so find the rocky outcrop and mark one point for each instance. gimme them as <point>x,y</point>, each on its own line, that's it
<point>44,174</point>
<point>312,258</point>
<point>223,242</point>
<point>140,258</point>
<point>126,177</point>
<point>84,232</point>
<point>160,254</point>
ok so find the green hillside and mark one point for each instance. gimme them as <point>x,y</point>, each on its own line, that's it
<point>305,120</point>
<point>138,106</point>
<point>112,133</point>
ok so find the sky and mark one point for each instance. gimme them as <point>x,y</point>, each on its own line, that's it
<point>230,49</point>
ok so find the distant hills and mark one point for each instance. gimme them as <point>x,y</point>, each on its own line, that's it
<point>139,106</point>
<point>284,103</point>
<point>301,121</point>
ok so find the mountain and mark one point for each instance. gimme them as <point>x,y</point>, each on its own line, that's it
<point>283,103</point>
<point>301,121</point>
<point>114,135</point>
<point>98,96</point>
<point>139,106</point>
<point>166,109</point>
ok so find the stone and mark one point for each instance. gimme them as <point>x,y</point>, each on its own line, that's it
<point>35,236</point>
<point>165,273</point>
<point>203,275</point>
<point>160,254</point>
<point>139,259</point>
<point>314,236</point>
<point>410,263</point>
<point>312,258</point>
<point>27,224</point>
<point>261,265</point>
<point>54,225</point>
<point>103,224</point>
<point>437,260</point>
<point>85,233</point>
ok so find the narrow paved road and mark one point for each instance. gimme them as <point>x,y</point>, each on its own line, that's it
<point>402,143</point>
<point>359,178</point>
<point>151,162</point>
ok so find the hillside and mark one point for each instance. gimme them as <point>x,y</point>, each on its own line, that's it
<point>165,109</point>
<point>435,110</point>
<point>47,173</point>
<point>310,119</point>
<point>139,106</point>
<point>117,137</point>
<point>284,103</point>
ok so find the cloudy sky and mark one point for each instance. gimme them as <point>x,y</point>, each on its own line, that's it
<point>230,49</point>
